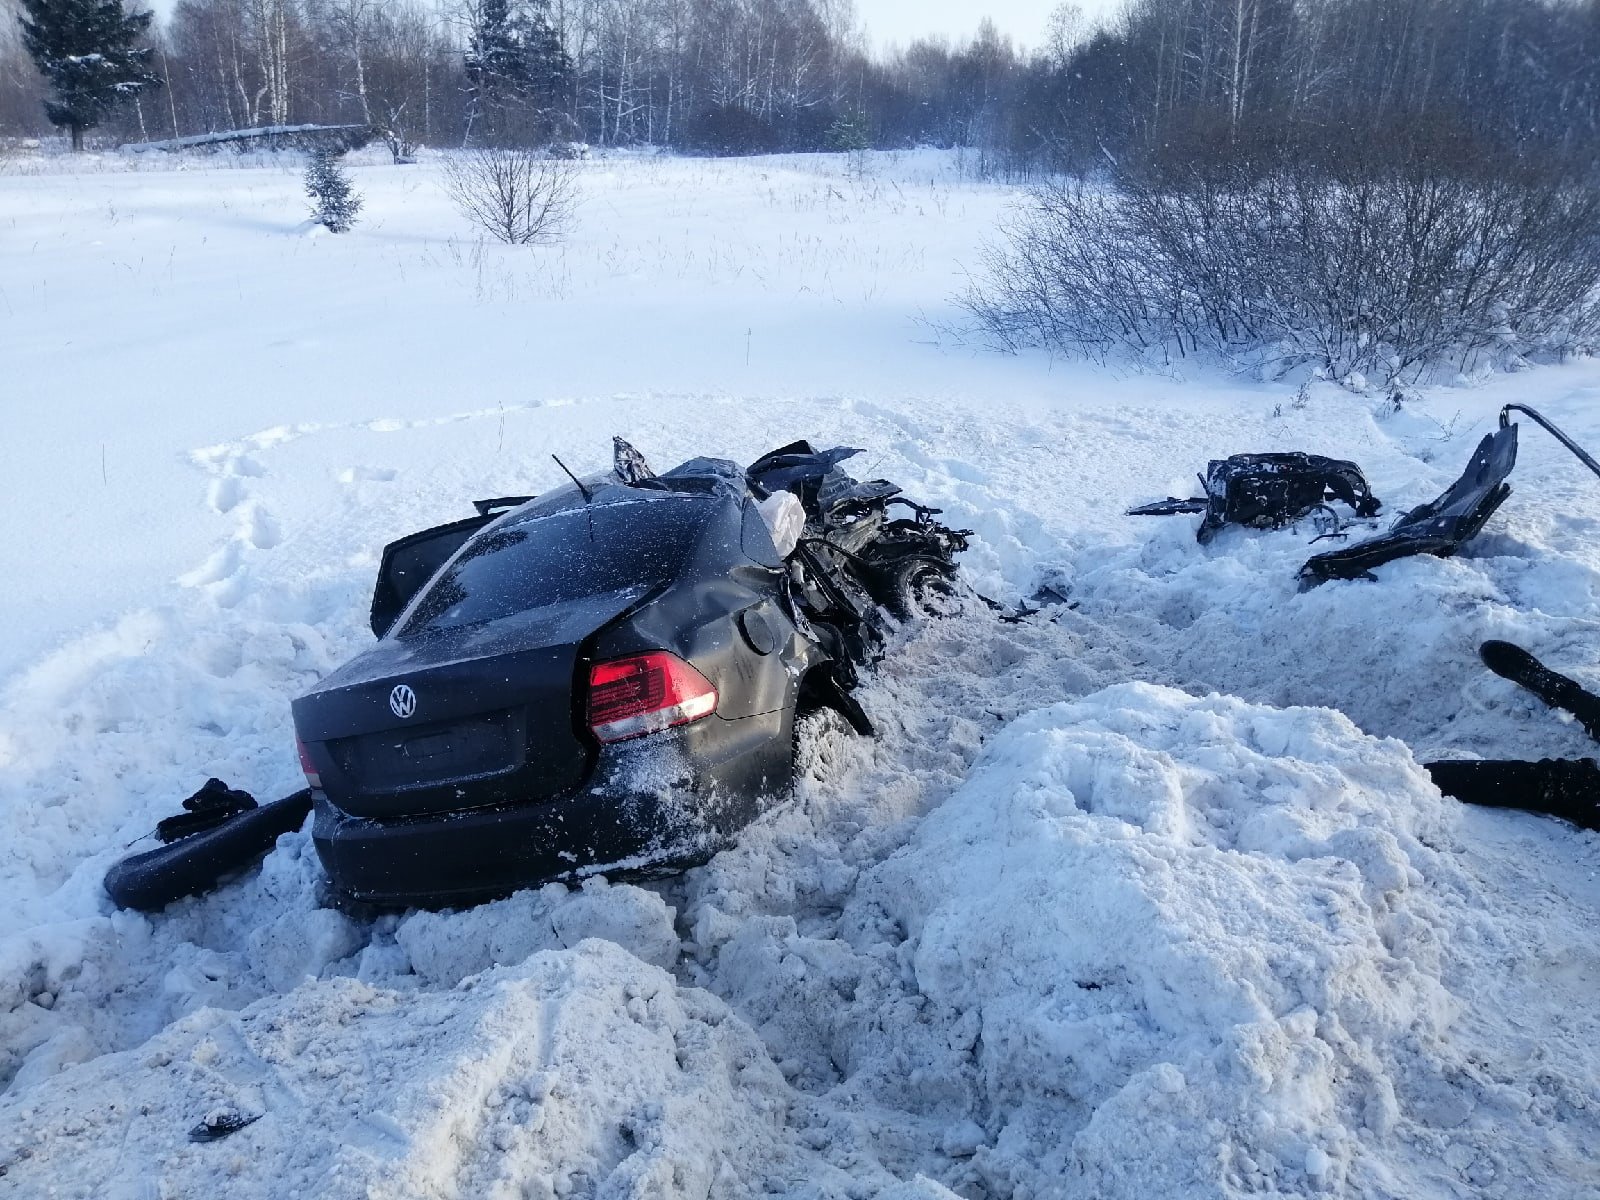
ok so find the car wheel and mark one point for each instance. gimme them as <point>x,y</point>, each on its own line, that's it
<point>919,588</point>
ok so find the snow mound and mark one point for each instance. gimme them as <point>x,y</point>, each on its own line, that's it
<point>1184,923</point>
<point>581,1072</point>
<point>74,989</point>
<point>1157,945</point>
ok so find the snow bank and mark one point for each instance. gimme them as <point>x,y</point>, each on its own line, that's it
<point>72,989</point>
<point>1141,943</point>
<point>584,1072</point>
<point>445,947</point>
<point>1154,945</point>
<point>1188,922</point>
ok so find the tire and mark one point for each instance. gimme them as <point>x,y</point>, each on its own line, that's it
<point>916,588</point>
<point>192,866</point>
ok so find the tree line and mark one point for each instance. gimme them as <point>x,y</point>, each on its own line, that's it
<point>713,75</point>
<point>1378,192</point>
<point>1159,78</point>
<point>1228,78</point>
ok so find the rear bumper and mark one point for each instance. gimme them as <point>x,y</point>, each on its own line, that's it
<point>662,801</point>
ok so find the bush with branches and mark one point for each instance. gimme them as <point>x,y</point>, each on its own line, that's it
<point>1384,267</point>
<point>515,195</point>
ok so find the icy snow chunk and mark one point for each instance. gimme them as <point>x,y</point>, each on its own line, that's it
<point>962,1139</point>
<point>296,946</point>
<point>71,1045</point>
<point>447,947</point>
<point>637,920</point>
<point>1318,1163</point>
<point>920,1188</point>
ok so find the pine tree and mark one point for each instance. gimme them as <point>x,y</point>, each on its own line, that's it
<point>336,202</point>
<point>850,135</point>
<point>86,51</point>
<point>518,73</point>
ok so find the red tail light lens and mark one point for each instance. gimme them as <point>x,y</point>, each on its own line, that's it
<point>646,693</point>
<point>306,765</point>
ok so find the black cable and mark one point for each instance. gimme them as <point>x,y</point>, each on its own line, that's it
<point>1549,427</point>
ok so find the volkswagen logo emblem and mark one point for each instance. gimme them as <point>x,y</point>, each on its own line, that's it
<point>403,701</point>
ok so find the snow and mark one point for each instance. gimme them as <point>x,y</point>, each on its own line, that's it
<point>490,1089</point>
<point>1144,895</point>
<point>234,135</point>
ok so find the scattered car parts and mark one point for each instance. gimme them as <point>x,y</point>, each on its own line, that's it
<point>197,855</point>
<point>1438,527</point>
<point>222,1123</point>
<point>607,677</point>
<point>1268,491</point>
<point>1565,788</point>
<point>1441,526</point>
<point>1522,668</point>
<point>1568,788</point>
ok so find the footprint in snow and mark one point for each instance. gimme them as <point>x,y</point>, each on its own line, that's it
<point>260,530</point>
<point>225,493</point>
<point>221,564</point>
<point>965,472</point>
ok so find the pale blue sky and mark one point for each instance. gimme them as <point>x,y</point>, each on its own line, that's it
<point>899,21</point>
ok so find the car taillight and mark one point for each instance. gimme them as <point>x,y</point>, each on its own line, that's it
<point>646,693</point>
<point>306,765</point>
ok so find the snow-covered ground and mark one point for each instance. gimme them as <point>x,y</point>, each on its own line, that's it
<point>1114,907</point>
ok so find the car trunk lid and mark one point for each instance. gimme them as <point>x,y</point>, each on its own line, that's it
<point>459,718</point>
<point>472,700</point>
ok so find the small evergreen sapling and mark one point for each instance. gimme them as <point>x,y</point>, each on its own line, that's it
<point>850,135</point>
<point>335,202</point>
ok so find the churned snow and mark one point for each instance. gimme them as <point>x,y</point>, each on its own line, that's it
<point>1144,895</point>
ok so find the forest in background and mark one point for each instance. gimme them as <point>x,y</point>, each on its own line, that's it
<point>750,76</point>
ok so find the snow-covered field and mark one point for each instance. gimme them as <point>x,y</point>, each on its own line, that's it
<point>1115,906</point>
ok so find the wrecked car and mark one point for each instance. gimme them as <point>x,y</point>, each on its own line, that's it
<point>605,678</point>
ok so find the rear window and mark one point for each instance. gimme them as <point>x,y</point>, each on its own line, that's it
<point>565,556</point>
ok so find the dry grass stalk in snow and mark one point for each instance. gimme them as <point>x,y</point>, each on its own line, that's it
<point>515,195</point>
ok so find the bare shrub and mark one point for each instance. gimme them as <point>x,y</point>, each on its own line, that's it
<point>516,195</point>
<point>396,134</point>
<point>1394,274</point>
